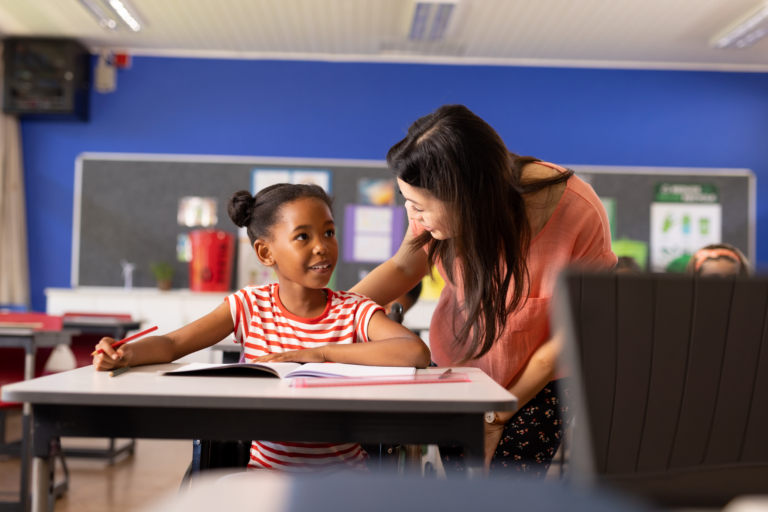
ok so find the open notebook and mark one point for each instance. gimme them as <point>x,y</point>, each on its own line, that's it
<point>289,370</point>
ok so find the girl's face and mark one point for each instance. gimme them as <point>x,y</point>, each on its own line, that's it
<point>425,209</point>
<point>302,248</point>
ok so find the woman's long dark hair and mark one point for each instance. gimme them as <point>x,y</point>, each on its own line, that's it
<point>461,160</point>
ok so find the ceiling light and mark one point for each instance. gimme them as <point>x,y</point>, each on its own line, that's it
<point>746,31</point>
<point>102,16</point>
<point>122,10</point>
<point>430,19</point>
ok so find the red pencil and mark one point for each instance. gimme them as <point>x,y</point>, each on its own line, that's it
<point>126,340</point>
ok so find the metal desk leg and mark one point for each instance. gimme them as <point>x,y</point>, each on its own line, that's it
<point>26,432</point>
<point>45,490</point>
<point>26,458</point>
<point>474,449</point>
<point>42,483</point>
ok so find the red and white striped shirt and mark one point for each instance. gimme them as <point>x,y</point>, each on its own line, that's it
<point>264,326</point>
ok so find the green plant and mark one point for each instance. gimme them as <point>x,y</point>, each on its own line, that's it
<point>162,271</point>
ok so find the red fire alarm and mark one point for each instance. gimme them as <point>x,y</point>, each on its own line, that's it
<point>121,60</point>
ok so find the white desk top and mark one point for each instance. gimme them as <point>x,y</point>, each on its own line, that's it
<point>142,386</point>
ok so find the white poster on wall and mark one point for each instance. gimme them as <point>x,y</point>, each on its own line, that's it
<point>263,178</point>
<point>684,218</point>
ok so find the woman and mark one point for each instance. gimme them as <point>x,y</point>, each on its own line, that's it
<point>499,228</point>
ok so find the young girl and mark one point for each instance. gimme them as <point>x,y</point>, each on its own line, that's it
<point>291,228</point>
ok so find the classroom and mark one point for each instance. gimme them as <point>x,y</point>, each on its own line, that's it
<point>296,255</point>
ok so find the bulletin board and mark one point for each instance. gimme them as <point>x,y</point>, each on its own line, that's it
<point>126,209</point>
<point>126,206</point>
<point>633,198</point>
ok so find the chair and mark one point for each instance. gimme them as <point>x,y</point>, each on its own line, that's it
<point>208,455</point>
<point>673,373</point>
<point>12,370</point>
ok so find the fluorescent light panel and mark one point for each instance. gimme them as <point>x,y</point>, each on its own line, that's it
<point>745,31</point>
<point>125,12</point>
<point>440,21</point>
<point>109,12</point>
<point>101,15</point>
<point>430,19</point>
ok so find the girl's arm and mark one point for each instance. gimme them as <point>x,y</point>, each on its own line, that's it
<point>200,334</point>
<point>396,276</point>
<point>390,344</point>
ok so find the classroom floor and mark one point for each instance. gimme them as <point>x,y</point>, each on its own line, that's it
<point>130,485</point>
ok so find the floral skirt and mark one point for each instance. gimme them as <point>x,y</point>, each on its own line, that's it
<point>530,439</point>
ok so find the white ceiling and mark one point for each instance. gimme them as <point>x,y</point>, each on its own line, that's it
<point>602,33</point>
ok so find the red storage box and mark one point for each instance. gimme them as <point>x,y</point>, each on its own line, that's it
<point>211,267</point>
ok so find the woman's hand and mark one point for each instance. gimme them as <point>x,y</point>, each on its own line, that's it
<point>493,435</point>
<point>111,358</point>
<point>308,355</point>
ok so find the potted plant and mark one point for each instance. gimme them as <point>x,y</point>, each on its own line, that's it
<point>163,273</point>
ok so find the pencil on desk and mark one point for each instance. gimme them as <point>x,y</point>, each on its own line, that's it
<point>126,340</point>
<point>115,373</point>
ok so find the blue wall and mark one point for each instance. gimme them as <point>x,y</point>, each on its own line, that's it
<point>352,110</point>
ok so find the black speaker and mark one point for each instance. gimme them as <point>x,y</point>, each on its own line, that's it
<point>47,78</point>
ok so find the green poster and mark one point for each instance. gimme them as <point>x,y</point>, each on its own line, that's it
<point>635,249</point>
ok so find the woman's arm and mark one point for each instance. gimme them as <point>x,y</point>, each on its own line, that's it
<point>200,334</point>
<point>539,370</point>
<point>396,276</point>
<point>390,344</point>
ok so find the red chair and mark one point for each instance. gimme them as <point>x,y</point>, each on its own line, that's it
<point>12,370</point>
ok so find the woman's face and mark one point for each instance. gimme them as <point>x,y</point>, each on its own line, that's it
<point>425,209</point>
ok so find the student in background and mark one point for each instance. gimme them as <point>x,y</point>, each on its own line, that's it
<point>292,230</point>
<point>627,266</point>
<point>499,227</point>
<point>721,260</point>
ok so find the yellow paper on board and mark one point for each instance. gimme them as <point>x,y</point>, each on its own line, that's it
<point>432,286</point>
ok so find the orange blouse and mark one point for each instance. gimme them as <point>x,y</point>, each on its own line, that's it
<point>577,232</point>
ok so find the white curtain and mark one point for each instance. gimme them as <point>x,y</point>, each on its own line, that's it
<point>14,270</point>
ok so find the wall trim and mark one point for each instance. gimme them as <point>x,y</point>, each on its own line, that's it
<point>234,159</point>
<point>449,60</point>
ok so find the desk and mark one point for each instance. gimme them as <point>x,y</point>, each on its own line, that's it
<point>92,328</point>
<point>141,403</point>
<point>257,490</point>
<point>168,310</point>
<point>30,340</point>
<point>112,327</point>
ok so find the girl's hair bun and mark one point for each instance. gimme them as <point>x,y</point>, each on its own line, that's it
<point>259,213</point>
<point>240,207</point>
